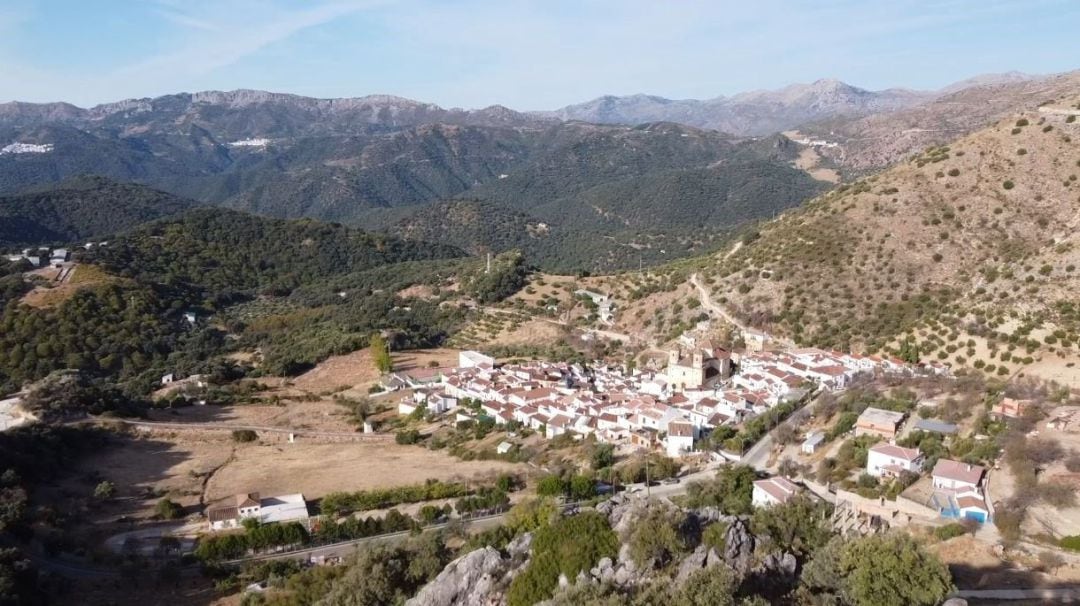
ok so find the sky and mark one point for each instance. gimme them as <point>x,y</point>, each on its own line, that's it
<point>524,54</point>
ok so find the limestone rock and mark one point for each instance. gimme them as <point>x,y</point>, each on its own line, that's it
<point>471,580</point>
<point>692,563</point>
<point>739,545</point>
<point>520,545</point>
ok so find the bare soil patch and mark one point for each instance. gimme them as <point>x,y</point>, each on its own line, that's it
<point>1063,370</point>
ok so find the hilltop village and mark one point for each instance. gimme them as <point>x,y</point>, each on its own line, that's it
<point>702,387</point>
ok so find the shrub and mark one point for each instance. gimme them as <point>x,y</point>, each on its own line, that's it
<point>1021,152</point>
<point>954,172</point>
<point>244,435</point>
<point>949,531</point>
<point>1022,122</point>
<point>1008,185</point>
<point>166,509</point>
<point>1071,542</point>
<point>104,490</point>
<point>408,436</point>
<point>566,547</point>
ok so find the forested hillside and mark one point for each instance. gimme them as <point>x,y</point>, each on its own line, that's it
<point>288,157</point>
<point>306,289</point>
<point>229,255</point>
<point>965,253</point>
<point>80,209</point>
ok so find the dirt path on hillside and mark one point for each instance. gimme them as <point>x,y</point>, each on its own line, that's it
<point>707,303</point>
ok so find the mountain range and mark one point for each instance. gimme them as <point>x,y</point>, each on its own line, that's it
<point>352,162</point>
<point>748,114</point>
<point>640,173</point>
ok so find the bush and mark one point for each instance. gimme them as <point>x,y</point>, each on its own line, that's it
<point>1008,185</point>
<point>566,547</point>
<point>244,435</point>
<point>1022,122</point>
<point>1072,542</point>
<point>954,172</point>
<point>408,436</point>
<point>104,490</point>
<point>166,509</point>
<point>949,531</point>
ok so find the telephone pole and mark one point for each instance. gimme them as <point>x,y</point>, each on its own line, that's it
<point>648,484</point>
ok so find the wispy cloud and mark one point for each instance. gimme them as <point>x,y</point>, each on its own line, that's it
<point>215,34</point>
<point>186,20</point>
<point>243,33</point>
<point>530,54</point>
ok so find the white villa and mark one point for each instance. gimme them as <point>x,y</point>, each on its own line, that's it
<point>890,460</point>
<point>283,509</point>
<point>776,490</point>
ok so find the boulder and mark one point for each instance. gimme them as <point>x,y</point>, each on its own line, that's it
<point>779,567</point>
<point>624,576</point>
<point>520,545</point>
<point>625,558</point>
<point>739,545</point>
<point>955,602</point>
<point>604,569</point>
<point>692,563</point>
<point>713,558</point>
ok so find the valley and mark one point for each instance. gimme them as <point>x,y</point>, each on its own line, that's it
<point>805,346</point>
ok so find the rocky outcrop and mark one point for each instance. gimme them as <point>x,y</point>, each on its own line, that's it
<point>475,579</point>
<point>739,545</point>
<point>779,568</point>
<point>702,557</point>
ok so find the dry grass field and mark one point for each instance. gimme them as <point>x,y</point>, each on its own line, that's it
<point>50,296</point>
<point>317,469</point>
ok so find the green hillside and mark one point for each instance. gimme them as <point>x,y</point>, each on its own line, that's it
<point>83,208</point>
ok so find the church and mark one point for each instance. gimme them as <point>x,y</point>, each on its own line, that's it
<point>700,367</point>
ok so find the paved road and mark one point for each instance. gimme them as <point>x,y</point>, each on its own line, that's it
<point>758,455</point>
<point>1058,595</point>
<point>346,548</point>
<point>373,437</point>
<point>148,538</point>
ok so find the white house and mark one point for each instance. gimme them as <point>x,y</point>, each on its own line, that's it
<point>812,442</point>
<point>887,460</point>
<point>282,509</point>
<point>954,475</point>
<point>475,359</point>
<point>680,438</point>
<point>776,490</point>
<point>973,506</point>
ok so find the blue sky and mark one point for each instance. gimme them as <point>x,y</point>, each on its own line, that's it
<point>524,54</point>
